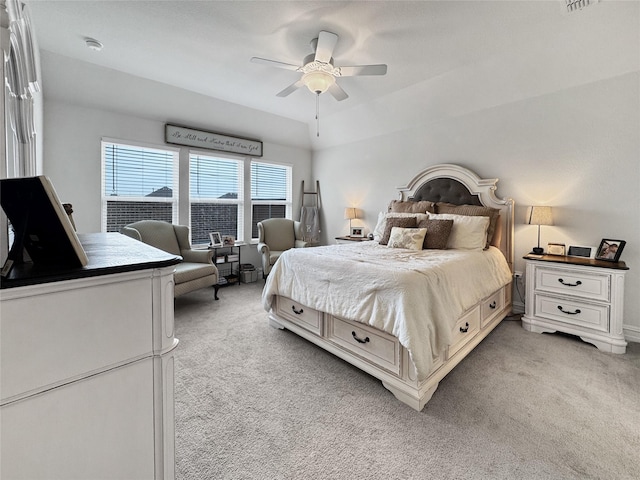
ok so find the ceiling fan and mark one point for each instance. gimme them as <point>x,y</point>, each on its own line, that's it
<point>318,72</point>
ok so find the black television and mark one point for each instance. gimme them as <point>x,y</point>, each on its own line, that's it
<point>40,225</point>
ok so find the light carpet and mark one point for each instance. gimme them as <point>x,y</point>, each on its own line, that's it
<point>254,402</point>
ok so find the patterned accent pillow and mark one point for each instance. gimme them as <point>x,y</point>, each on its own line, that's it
<point>411,238</point>
<point>402,222</point>
<point>473,210</point>
<point>423,206</point>
<point>438,232</point>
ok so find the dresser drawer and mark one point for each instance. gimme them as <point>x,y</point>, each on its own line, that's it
<point>491,306</point>
<point>573,312</point>
<point>378,347</point>
<point>299,314</point>
<point>572,282</point>
<point>465,329</point>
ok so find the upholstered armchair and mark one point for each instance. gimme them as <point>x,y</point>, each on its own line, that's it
<point>196,270</point>
<point>275,235</point>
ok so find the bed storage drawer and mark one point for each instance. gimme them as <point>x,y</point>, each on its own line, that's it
<point>574,283</point>
<point>465,329</point>
<point>491,306</point>
<point>300,314</point>
<point>583,314</point>
<point>378,347</point>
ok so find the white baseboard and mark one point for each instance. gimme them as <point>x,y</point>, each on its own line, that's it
<point>631,333</point>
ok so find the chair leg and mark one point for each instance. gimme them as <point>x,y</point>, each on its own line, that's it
<point>215,295</point>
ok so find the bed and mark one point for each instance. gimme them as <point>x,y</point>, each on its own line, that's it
<point>401,309</point>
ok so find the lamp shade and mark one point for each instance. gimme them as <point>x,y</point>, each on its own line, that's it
<point>318,81</point>
<point>540,216</point>
<point>350,213</point>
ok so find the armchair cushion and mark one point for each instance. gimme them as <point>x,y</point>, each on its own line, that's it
<point>275,235</point>
<point>196,269</point>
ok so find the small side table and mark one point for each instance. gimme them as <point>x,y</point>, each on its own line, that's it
<point>347,238</point>
<point>575,295</point>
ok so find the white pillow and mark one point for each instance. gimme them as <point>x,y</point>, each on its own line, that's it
<point>378,232</point>
<point>411,238</point>
<point>468,232</point>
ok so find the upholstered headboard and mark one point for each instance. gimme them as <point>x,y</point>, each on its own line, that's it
<point>458,185</point>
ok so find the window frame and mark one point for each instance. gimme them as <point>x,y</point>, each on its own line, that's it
<point>288,202</point>
<point>239,202</point>
<point>104,198</point>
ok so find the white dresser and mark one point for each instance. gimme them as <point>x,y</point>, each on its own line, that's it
<point>579,296</point>
<point>87,366</point>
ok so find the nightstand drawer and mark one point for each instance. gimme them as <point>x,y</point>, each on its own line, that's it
<point>593,316</point>
<point>574,283</point>
<point>300,314</point>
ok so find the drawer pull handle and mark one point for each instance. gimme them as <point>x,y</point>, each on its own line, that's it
<point>359,340</point>
<point>570,284</point>
<point>465,329</point>
<point>297,312</point>
<point>567,312</point>
<point>492,305</point>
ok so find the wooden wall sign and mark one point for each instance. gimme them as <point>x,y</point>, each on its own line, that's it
<point>212,141</point>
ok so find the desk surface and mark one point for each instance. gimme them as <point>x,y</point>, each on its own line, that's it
<point>108,253</point>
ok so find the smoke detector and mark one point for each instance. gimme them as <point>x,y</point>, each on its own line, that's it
<point>93,44</point>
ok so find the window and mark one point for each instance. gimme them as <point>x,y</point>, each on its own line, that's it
<point>271,193</point>
<point>216,186</point>
<point>138,183</point>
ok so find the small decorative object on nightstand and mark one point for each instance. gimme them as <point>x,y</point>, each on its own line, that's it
<point>576,295</point>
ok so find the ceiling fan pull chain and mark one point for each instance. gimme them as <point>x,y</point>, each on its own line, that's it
<point>317,114</point>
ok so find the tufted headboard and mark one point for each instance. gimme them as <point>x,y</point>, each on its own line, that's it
<point>458,185</point>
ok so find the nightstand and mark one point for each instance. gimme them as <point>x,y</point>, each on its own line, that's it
<point>576,295</point>
<point>351,239</point>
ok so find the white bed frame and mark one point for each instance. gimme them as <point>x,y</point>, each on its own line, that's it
<point>379,353</point>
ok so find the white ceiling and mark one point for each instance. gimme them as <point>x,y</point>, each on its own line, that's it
<point>448,57</point>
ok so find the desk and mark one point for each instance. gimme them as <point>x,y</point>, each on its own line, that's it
<point>87,365</point>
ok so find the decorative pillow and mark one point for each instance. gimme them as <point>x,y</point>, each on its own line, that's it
<point>378,232</point>
<point>423,206</point>
<point>473,210</point>
<point>411,238</point>
<point>467,233</point>
<point>438,232</point>
<point>403,222</point>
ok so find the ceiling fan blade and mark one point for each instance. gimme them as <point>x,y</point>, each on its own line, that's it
<point>273,63</point>
<point>337,92</point>
<point>326,43</point>
<point>290,89</point>
<point>355,70</point>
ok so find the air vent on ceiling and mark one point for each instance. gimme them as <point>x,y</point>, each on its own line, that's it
<point>575,5</point>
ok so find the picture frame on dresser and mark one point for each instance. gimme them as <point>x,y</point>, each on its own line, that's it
<point>581,251</point>
<point>610,250</point>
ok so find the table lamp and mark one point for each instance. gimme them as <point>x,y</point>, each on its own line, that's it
<point>539,216</point>
<point>350,214</point>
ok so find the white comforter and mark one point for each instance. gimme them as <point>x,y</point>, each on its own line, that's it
<point>417,296</point>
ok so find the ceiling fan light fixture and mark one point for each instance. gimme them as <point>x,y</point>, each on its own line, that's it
<point>318,82</point>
